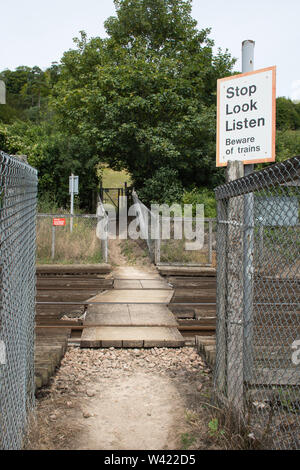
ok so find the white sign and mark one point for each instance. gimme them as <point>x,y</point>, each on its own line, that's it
<point>73,184</point>
<point>2,93</point>
<point>246,117</point>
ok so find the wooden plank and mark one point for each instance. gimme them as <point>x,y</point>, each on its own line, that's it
<point>63,283</point>
<point>73,268</point>
<point>186,271</point>
<point>187,282</point>
<point>64,296</point>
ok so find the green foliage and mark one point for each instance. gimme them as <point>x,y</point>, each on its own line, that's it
<point>287,144</point>
<point>163,188</point>
<point>141,100</point>
<point>201,196</point>
<point>55,156</point>
<point>287,114</point>
<point>214,430</point>
<point>28,90</point>
<point>187,440</point>
<point>144,98</point>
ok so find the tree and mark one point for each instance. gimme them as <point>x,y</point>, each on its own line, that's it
<point>287,114</point>
<point>55,156</point>
<point>144,98</point>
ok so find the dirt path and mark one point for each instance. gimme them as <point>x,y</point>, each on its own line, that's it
<point>116,258</point>
<point>132,413</point>
<point>124,399</point>
<point>129,253</point>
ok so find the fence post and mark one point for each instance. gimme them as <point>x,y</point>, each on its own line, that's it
<point>235,304</point>
<point>248,273</point>
<point>221,330</point>
<point>157,240</point>
<point>261,243</point>
<point>104,245</point>
<point>248,267</point>
<point>209,242</point>
<point>53,243</point>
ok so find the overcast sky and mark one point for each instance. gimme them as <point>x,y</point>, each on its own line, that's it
<point>37,32</point>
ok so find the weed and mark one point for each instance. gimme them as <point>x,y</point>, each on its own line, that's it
<point>214,430</point>
<point>187,440</point>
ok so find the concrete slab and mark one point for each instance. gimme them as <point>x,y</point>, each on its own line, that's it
<point>157,284</point>
<point>134,336</point>
<point>132,272</point>
<point>127,284</point>
<point>151,315</point>
<point>134,295</point>
<point>140,321</point>
<point>131,315</point>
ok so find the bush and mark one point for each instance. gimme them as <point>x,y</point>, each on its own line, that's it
<point>287,144</point>
<point>163,188</point>
<point>201,196</point>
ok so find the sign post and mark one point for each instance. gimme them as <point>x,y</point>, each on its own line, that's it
<point>56,222</point>
<point>2,92</point>
<point>245,136</point>
<point>73,189</point>
<point>248,222</point>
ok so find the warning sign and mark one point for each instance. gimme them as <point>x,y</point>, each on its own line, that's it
<point>58,222</point>
<point>246,113</point>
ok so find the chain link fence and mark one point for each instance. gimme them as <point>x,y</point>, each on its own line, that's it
<point>18,195</point>
<point>257,372</point>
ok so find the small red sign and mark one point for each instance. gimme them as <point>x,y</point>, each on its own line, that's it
<point>59,222</point>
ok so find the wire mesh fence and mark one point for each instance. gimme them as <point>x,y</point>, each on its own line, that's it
<point>257,372</point>
<point>79,242</point>
<point>174,248</point>
<point>18,193</point>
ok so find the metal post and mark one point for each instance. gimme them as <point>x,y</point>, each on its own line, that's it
<point>53,243</point>
<point>261,244</point>
<point>220,375</point>
<point>104,245</point>
<point>157,240</point>
<point>72,202</point>
<point>248,265</point>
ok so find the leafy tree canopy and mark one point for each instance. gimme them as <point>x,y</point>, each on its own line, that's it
<point>287,114</point>
<point>144,98</point>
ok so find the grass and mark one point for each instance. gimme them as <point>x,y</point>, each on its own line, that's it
<point>135,251</point>
<point>173,251</point>
<point>115,179</point>
<point>82,246</point>
<point>187,440</point>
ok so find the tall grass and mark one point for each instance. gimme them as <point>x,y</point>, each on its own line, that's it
<point>115,179</point>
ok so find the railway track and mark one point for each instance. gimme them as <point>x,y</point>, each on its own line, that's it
<point>64,293</point>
